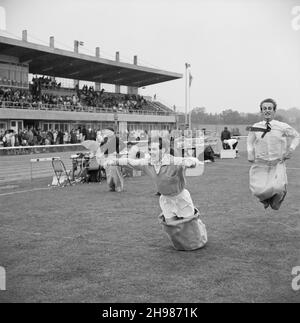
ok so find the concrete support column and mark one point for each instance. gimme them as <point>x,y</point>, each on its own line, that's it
<point>97,84</point>
<point>51,42</point>
<point>133,89</point>
<point>76,46</point>
<point>24,35</point>
<point>117,87</point>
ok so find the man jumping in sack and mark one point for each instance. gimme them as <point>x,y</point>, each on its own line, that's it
<point>269,144</point>
<point>180,219</point>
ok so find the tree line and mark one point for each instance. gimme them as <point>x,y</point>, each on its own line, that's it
<point>200,116</point>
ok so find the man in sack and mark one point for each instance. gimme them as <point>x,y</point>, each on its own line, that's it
<point>269,144</point>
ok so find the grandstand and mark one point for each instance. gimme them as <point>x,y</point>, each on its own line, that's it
<point>43,103</point>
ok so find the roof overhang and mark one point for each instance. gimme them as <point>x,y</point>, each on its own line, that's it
<point>56,62</point>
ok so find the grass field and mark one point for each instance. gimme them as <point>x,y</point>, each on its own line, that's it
<point>85,244</point>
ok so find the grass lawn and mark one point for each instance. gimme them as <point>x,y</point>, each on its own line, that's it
<point>85,244</point>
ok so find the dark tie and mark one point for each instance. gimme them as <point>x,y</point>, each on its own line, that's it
<point>267,130</point>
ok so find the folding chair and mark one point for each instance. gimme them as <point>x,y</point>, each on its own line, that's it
<point>94,170</point>
<point>60,172</point>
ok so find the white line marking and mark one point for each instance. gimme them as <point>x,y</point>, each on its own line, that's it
<point>286,225</point>
<point>249,166</point>
<point>26,191</point>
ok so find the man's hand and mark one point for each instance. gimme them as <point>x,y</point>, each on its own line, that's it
<point>287,155</point>
<point>189,163</point>
<point>110,162</point>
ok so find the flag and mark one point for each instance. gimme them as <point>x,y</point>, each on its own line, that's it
<point>187,65</point>
<point>190,79</point>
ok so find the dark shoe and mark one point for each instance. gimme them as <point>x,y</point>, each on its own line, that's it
<point>277,199</point>
<point>266,203</point>
<point>158,194</point>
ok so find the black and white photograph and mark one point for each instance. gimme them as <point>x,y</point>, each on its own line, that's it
<point>149,154</point>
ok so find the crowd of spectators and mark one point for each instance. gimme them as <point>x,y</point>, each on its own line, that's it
<point>44,82</point>
<point>75,101</point>
<point>12,97</point>
<point>31,136</point>
<point>117,101</point>
<point>16,96</point>
<point>36,137</point>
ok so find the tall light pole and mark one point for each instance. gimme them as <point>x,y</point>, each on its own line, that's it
<point>77,43</point>
<point>187,66</point>
<point>185,91</point>
<point>190,112</point>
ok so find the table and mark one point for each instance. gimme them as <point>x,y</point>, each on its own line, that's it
<point>80,162</point>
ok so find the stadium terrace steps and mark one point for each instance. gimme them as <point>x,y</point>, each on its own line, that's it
<point>162,107</point>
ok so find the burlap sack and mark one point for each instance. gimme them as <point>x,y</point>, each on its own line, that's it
<point>267,180</point>
<point>185,234</point>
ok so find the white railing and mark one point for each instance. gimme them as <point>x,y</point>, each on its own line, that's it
<point>40,146</point>
<point>76,108</point>
<point>25,150</point>
<point>14,84</point>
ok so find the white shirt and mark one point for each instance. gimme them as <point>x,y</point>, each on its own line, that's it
<point>133,151</point>
<point>166,160</point>
<point>230,142</point>
<point>274,144</point>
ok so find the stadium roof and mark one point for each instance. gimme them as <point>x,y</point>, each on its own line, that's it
<point>50,61</point>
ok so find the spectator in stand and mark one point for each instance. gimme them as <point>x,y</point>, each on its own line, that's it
<point>91,134</point>
<point>12,138</point>
<point>79,135</point>
<point>66,137</point>
<point>60,138</point>
<point>2,133</point>
<point>9,138</point>
<point>73,137</point>
<point>30,137</point>
<point>6,139</point>
<point>50,138</point>
<point>55,133</point>
<point>84,133</point>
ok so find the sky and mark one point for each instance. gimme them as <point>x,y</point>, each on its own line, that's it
<point>240,51</point>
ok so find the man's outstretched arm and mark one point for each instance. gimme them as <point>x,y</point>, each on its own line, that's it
<point>135,163</point>
<point>187,161</point>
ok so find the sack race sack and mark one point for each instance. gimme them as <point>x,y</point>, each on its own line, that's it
<point>185,233</point>
<point>268,180</point>
<point>114,178</point>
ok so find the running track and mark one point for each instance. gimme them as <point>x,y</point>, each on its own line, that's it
<point>17,167</point>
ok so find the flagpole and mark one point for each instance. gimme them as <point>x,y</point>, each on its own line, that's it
<point>190,112</point>
<point>186,117</point>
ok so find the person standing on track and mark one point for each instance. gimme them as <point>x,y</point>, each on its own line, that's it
<point>110,147</point>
